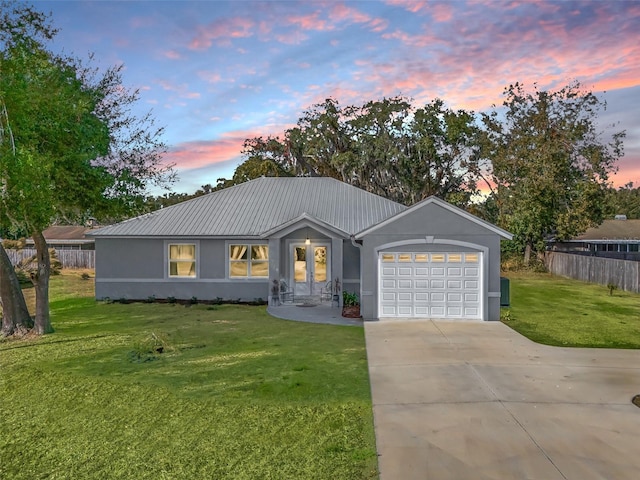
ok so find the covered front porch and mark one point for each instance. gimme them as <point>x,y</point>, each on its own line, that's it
<point>306,263</point>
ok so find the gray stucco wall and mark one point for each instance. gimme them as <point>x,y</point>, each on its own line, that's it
<point>135,268</point>
<point>435,229</point>
<point>350,267</point>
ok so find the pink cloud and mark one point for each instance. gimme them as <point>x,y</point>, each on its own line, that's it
<point>210,77</point>
<point>171,55</point>
<point>182,89</point>
<point>202,153</point>
<point>309,22</point>
<point>341,13</point>
<point>409,5</point>
<point>442,12</point>
<point>222,31</point>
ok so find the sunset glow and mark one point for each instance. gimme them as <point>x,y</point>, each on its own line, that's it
<point>216,73</point>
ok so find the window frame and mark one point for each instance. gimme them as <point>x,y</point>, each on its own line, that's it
<point>249,260</point>
<point>196,259</point>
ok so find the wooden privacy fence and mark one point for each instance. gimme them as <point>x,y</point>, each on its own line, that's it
<point>68,258</point>
<point>625,274</point>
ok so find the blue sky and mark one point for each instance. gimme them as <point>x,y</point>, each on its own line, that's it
<point>217,72</point>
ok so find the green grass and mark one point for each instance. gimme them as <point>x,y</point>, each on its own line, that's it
<point>234,394</point>
<point>558,311</point>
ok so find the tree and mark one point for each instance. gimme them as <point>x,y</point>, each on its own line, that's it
<point>549,164</point>
<point>385,147</point>
<point>74,145</point>
<point>623,201</point>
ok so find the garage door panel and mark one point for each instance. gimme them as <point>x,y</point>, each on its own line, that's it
<point>388,271</point>
<point>471,272</point>
<point>437,297</point>
<point>389,310</point>
<point>430,285</point>
<point>454,297</point>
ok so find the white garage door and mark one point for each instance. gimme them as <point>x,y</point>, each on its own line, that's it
<point>430,285</point>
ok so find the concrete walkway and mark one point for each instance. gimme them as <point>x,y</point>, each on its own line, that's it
<point>471,400</point>
<point>312,313</point>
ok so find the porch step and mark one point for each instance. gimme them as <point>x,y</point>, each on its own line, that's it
<point>308,299</point>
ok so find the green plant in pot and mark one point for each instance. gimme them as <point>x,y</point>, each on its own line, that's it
<point>350,305</point>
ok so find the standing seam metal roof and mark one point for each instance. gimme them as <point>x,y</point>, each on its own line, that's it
<point>257,206</point>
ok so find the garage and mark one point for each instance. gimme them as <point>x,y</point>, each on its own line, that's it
<point>430,285</point>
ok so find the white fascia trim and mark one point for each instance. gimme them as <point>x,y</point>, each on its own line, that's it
<point>304,220</point>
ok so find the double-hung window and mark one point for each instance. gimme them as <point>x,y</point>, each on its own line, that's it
<point>182,260</point>
<point>248,261</point>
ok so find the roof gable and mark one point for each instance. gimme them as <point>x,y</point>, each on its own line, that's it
<point>250,209</point>
<point>442,204</point>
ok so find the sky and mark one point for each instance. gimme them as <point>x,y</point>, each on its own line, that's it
<point>215,73</point>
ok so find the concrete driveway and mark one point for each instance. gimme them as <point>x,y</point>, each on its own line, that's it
<point>471,400</point>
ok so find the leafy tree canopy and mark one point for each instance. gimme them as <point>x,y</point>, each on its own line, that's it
<point>386,147</point>
<point>549,165</point>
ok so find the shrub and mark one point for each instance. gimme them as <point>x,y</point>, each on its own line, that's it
<point>350,299</point>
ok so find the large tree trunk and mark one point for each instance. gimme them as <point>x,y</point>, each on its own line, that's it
<point>15,315</point>
<point>527,254</point>
<point>40,280</point>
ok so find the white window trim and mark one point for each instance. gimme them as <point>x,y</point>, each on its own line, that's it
<point>167,247</point>
<point>248,244</point>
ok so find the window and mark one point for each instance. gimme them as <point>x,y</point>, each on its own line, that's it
<point>437,257</point>
<point>454,258</point>
<point>388,257</point>
<point>249,261</point>
<point>421,257</point>
<point>404,257</point>
<point>471,257</point>
<point>182,260</point>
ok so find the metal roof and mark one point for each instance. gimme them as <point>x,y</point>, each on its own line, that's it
<point>260,205</point>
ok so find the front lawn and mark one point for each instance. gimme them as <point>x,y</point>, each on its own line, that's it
<point>234,394</point>
<point>559,311</point>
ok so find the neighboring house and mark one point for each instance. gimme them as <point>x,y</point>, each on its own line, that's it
<point>618,238</point>
<point>431,260</point>
<point>67,237</point>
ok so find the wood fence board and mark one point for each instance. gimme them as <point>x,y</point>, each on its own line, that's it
<point>74,259</point>
<point>625,274</point>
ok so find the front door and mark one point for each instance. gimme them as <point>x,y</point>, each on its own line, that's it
<point>310,267</point>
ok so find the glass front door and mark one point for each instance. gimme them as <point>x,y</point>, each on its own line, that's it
<point>310,268</point>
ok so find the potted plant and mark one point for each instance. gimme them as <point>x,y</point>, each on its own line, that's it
<point>350,305</point>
